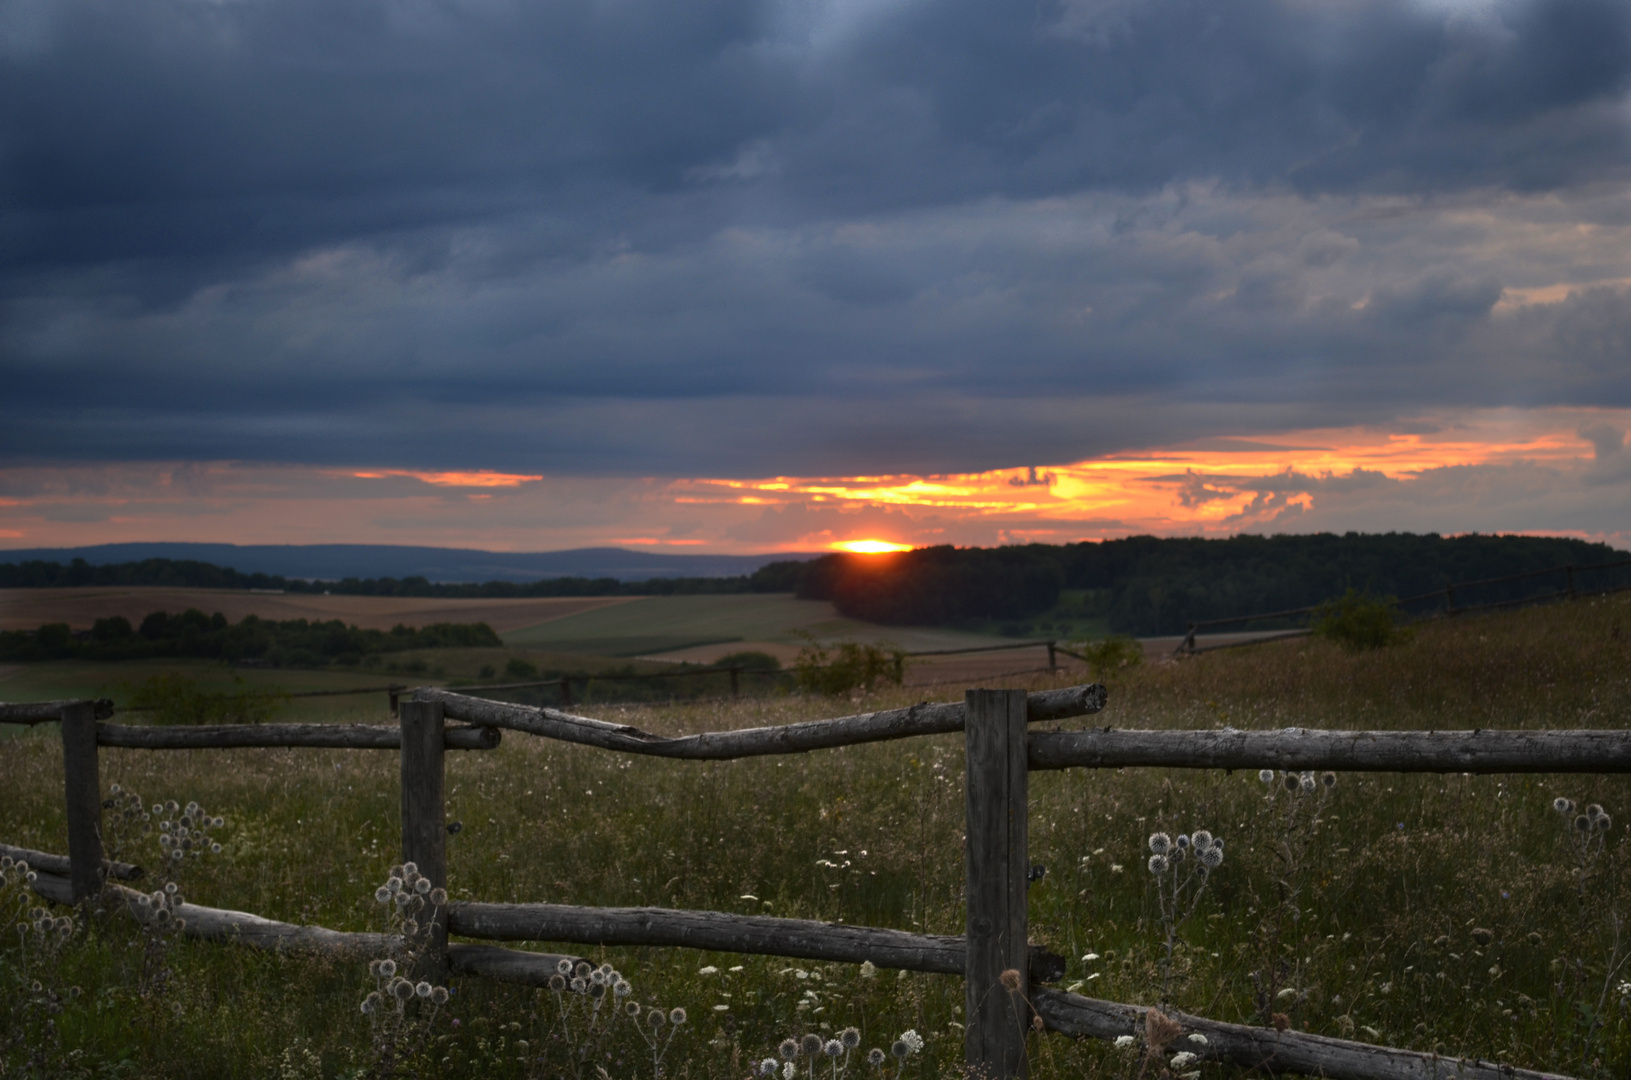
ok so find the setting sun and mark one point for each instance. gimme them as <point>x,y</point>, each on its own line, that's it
<point>870,547</point>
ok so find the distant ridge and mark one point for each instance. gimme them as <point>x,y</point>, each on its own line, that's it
<point>331,562</point>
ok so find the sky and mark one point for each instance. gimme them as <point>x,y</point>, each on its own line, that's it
<point>760,275</point>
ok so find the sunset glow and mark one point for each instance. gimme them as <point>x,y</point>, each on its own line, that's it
<point>480,478</point>
<point>870,547</point>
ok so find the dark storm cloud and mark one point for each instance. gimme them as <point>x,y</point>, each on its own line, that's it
<point>749,236</point>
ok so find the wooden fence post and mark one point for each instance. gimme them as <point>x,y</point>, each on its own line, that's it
<point>997,1016</point>
<point>82,786</point>
<point>424,827</point>
<point>1053,659</point>
<point>566,693</point>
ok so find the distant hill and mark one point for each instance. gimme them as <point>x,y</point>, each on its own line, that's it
<point>333,562</point>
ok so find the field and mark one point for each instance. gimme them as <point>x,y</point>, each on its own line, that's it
<point>1453,912</point>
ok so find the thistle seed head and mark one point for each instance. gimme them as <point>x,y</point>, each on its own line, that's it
<point>557,982</point>
<point>850,1037</point>
<point>676,1016</point>
<point>875,1058</point>
<point>423,989</point>
<point>1158,864</point>
<point>1160,843</point>
<point>1562,805</point>
<point>810,1045</point>
<point>1329,779</point>
<point>789,1049</point>
<point>438,996</point>
<point>564,967</point>
<point>654,1019</point>
<point>832,1048</point>
<point>387,968</point>
<point>1202,839</point>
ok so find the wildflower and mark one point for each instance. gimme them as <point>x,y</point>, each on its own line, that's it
<point>564,967</point>
<point>382,894</point>
<point>410,869</point>
<point>1604,822</point>
<point>402,989</point>
<point>422,886</point>
<point>1160,843</point>
<point>913,1041</point>
<point>1562,805</point>
<point>767,1067</point>
<point>850,1037</point>
<point>1182,842</point>
<point>1202,839</point>
<point>1582,823</point>
<point>832,1048</point>
<point>788,1071</point>
<point>215,849</point>
<point>875,1058</point>
<point>557,982</point>
<point>632,1008</point>
<point>789,1049</point>
<point>810,1045</point>
<point>1267,777</point>
<point>1307,782</point>
<point>1212,857</point>
<point>583,969</point>
<point>1158,864</point>
<point>1291,782</point>
<point>654,1018</point>
<point>371,1002</point>
<point>709,970</point>
<point>387,968</point>
<point>869,970</point>
<point>579,984</point>
<point>1126,1042</point>
<point>1183,1058</point>
<point>1329,779</point>
<point>423,989</point>
<point>1010,978</point>
<point>900,1049</point>
<point>1198,1039</point>
<point>621,988</point>
<point>394,883</point>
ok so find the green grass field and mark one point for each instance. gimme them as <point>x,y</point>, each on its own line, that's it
<point>1360,921</point>
<point>661,624</point>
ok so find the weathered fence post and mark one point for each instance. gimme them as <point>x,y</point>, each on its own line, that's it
<point>995,964</point>
<point>566,693</point>
<point>82,787</point>
<point>424,828</point>
<point>1053,659</point>
<point>736,685</point>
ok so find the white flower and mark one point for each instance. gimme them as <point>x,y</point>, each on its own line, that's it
<point>1125,1042</point>
<point>1198,1039</point>
<point>1115,868</point>
<point>913,1041</point>
<point>869,970</point>
<point>1090,957</point>
<point>709,970</point>
<point>1184,1059</point>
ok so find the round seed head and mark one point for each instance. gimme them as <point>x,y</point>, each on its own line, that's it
<point>215,849</point>
<point>654,1019</point>
<point>157,809</point>
<point>423,989</point>
<point>564,967</point>
<point>1182,842</point>
<point>1307,782</point>
<point>597,990</point>
<point>394,884</point>
<point>1212,857</point>
<point>597,977</point>
<point>633,1009</point>
<point>1158,864</point>
<point>621,988</point>
<point>810,1045</point>
<point>676,1016</point>
<point>402,989</point>
<point>875,1058</point>
<point>387,968</point>
<point>1291,782</point>
<point>579,984</point>
<point>557,982</point>
<point>1266,775</point>
<point>1329,779</point>
<point>1604,822</point>
<point>1160,843</point>
<point>900,1049</point>
<point>373,968</point>
<point>607,970</point>
<point>163,916</point>
<point>422,886</point>
<point>1562,805</point>
<point>767,1067</point>
<point>582,970</point>
<point>1010,979</point>
<point>850,1037</point>
<point>789,1049</point>
<point>217,822</point>
<point>832,1048</point>
<point>371,1002</point>
<point>438,896</point>
<point>172,806</point>
<point>1582,823</point>
<point>438,996</point>
<point>410,869</point>
<point>1202,839</point>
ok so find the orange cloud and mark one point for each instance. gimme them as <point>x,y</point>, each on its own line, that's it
<point>480,478</point>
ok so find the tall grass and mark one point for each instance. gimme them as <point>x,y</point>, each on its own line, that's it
<point>1432,912</point>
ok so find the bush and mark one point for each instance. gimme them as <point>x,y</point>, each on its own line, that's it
<point>847,666</point>
<point>177,699</point>
<point>1358,621</point>
<point>519,669</point>
<point>1107,656</point>
<point>749,660</point>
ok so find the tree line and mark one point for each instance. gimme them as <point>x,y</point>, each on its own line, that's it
<point>268,642</point>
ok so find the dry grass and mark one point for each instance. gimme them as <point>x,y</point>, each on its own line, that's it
<point>1388,886</point>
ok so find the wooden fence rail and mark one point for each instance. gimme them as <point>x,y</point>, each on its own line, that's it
<point>998,962</point>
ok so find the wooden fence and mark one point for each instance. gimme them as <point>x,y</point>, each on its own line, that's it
<point>1002,969</point>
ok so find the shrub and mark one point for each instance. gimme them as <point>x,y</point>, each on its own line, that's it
<point>750,660</point>
<point>847,666</point>
<point>177,699</point>
<point>1109,655</point>
<point>1358,621</point>
<point>518,669</point>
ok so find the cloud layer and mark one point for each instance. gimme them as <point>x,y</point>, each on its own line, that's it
<point>749,237</point>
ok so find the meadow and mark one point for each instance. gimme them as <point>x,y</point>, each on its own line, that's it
<point>1456,913</point>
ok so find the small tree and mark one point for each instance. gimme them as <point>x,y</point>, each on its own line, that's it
<point>1109,655</point>
<point>1359,621</point>
<point>847,666</point>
